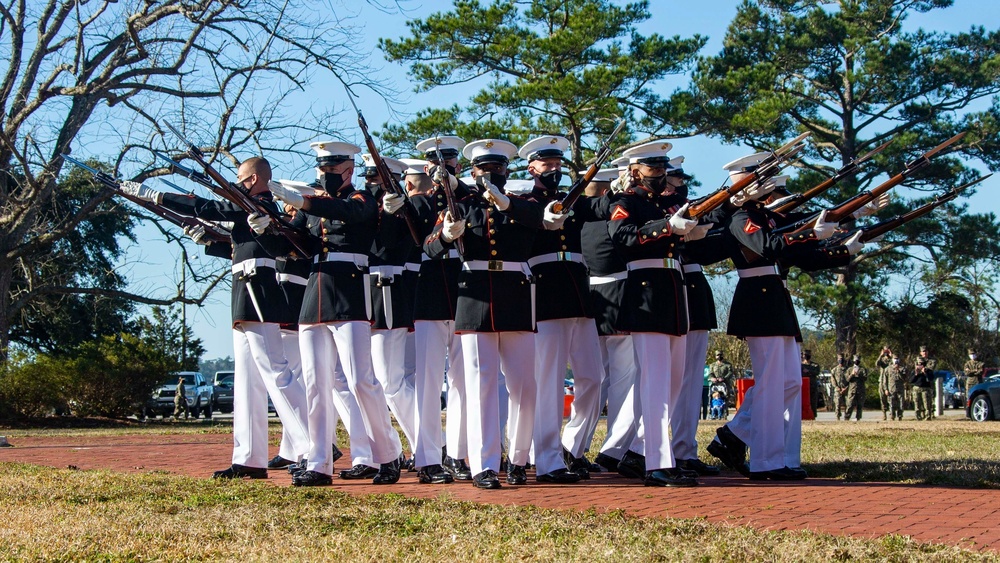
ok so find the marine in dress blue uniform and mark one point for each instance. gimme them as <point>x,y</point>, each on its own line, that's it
<point>494,309</point>
<point>334,323</point>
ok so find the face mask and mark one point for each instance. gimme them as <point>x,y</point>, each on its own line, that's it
<point>683,192</point>
<point>498,180</point>
<point>551,179</point>
<point>972,357</point>
<point>331,182</point>
<point>840,362</point>
<point>857,362</point>
<point>895,361</point>
<point>655,184</point>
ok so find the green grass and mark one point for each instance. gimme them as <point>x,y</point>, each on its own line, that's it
<point>51,514</point>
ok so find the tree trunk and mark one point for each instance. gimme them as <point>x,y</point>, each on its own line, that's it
<point>6,278</point>
<point>846,315</point>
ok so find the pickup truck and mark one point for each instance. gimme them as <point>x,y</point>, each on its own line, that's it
<point>222,400</point>
<point>198,389</point>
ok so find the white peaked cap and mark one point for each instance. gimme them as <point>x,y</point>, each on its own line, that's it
<point>546,146</point>
<point>518,187</point>
<point>395,166</point>
<point>413,165</point>
<point>333,152</point>
<point>606,174</point>
<point>449,145</point>
<point>653,152</point>
<point>746,163</point>
<point>489,150</point>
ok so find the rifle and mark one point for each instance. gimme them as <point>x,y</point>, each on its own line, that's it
<point>212,231</point>
<point>218,185</point>
<point>576,190</point>
<point>770,166</point>
<point>388,182</point>
<point>872,232</point>
<point>449,195</point>
<point>848,170</point>
<point>847,208</point>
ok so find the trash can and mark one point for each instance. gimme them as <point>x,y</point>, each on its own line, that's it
<point>742,385</point>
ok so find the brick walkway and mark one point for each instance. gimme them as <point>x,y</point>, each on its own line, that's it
<point>948,515</point>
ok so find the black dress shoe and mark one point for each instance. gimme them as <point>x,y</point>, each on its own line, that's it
<point>632,466</point>
<point>736,447</point>
<point>337,454</point>
<point>607,462</point>
<point>237,471</point>
<point>668,478</point>
<point>783,474</point>
<point>580,465</point>
<point>388,473</point>
<point>312,479</point>
<point>458,468</point>
<point>359,471</point>
<point>297,467</point>
<point>516,475</point>
<point>559,476</point>
<point>278,462</point>
<point>486,480</point>
<point>727,457</point>
<point>699,467</point>
<point>434,475</point>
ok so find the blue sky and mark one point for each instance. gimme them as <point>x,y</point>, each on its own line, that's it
<point>153,266</point>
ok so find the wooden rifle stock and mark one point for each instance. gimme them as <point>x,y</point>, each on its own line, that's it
<point>576,190</point>
<point>847,170</point>
<point>449,195</point>
<point>768,167</point>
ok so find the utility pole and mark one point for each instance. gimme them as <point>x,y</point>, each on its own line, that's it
<point>184,336</point>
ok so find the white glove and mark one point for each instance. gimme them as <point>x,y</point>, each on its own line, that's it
<point>287,194</point>
<point>141,191</point>
<point>698,232</point>
<point>754,191</point>
<point>441,175</point>
<point>451,229</point>
<point>197,234</point>
<point>258,222</point>
<point>551,220</point>
<point>392,203</point>
<point>679,225</point>
<point>822,229</point>
<point>854,244</point>
<point>873,206</point>
<point>492,194</point>
<point>621,183</point>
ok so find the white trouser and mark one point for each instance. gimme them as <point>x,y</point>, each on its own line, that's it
<point>687,397</point>
<point>557,342</point>
<point>618,353</point>
<point>389,364</point>
<point>436,341</point>
<point>350,411</point>
<point>348,344</point>
<point>770,418</point>
<point>259,364</point>
<point>661,358</point>
<point>290,403</point>
<point>485,354</point>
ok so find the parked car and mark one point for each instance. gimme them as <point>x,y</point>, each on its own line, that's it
<point>198,393</point>
<point>953,389</point>
<point>984,399</point>
<point>222,392</point>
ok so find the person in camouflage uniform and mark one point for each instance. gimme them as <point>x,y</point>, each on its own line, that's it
<point>810,369</point>
<point>838,376</point>
<point>973,370</point>
<point>180,400</point>
<point>893,380</point>
<point>883,363</point>
<point>722,370</point>
<point>923,390</point>
<point>856,377</point>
